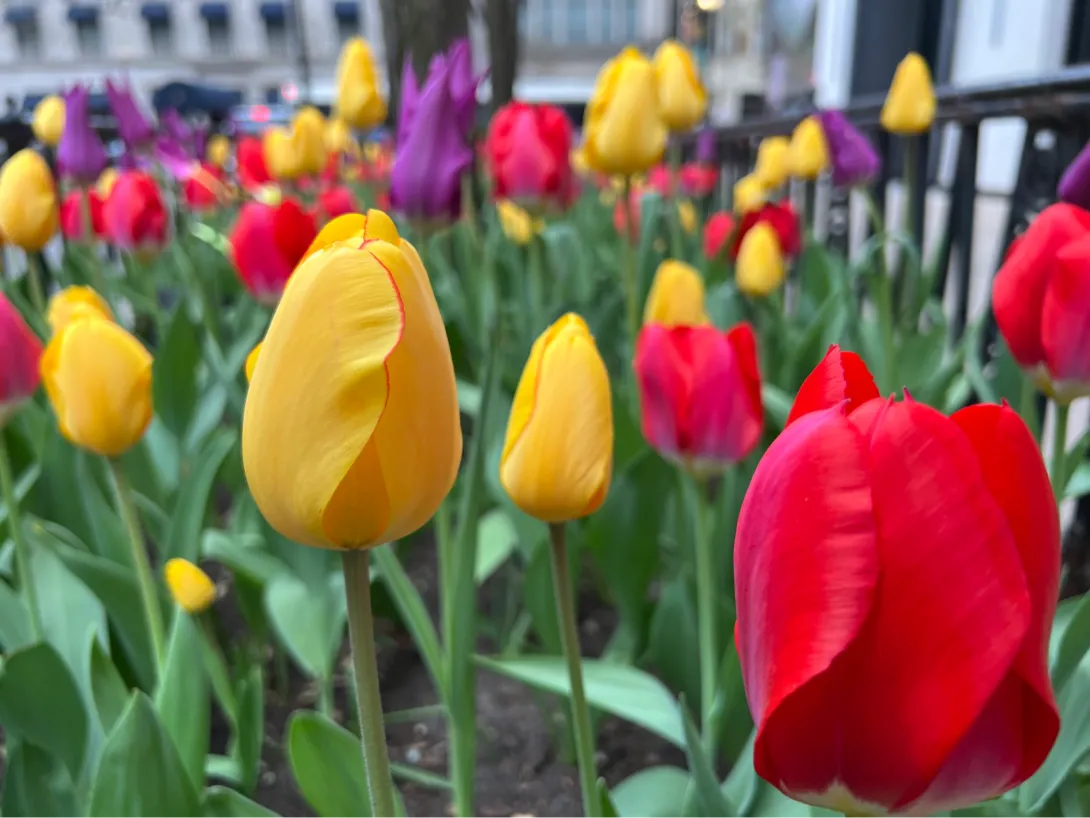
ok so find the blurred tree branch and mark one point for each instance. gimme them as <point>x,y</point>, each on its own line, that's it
<point>418,29</point>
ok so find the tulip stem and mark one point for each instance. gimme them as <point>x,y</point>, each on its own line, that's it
<point>631,296</point>
<point>677,242</point>
<point>565,612</point>
<point>705,602</point>
<point>22,550</point>
<point>148,595</point>
<point>361,635</point>
<point>537,284</point>
<point>1059,447</point>
<point>34,280</point>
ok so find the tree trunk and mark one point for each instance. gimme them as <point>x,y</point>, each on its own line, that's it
<point>503,45</point>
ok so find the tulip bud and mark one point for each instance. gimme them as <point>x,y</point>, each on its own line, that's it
<point>106,181</point>
<point>72,215</point>
<point>338,137</point>
<point>808,155</point>
<point>190,587</point>
<point>19,376</point>
<point>717,231</point>
<point>132,126</point>
<point>98,378</point>
<point>700,394</point>
<point>759,270</point>
<point>267,242</point>
<point>853,157</point>
<point>351,435</point>
<point>48,120</point>
<point>359,101</point>
<point>682,98</point>
<point>773,165</point>
<point>518,225</point>
<point>558,453</point>
<point>205,190</point>
<point>749,194</point>
<point>253,172</point>
<point>136,218</point>
<point>80,154</point>
<point>280,155</point>
<point>910,104</point>
<point>74,302</point>
<point>218,150</point>
<point>28,201</point>
<point>308,140</point>
<point>624,131</point>
<point>528,150</point>
<point>782,218</point>
<point>686,214</point>
<point>676,297</point>
<point>336,201</point>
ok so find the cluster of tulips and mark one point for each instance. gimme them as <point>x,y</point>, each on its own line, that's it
<point>875,580</point>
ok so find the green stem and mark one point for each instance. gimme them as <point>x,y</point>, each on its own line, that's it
<point>325,696</point>
<point>22,550</point>
<point>189,272</point>
<point>705,602</point>
<point>906,286</point>
<point>216,665</point>
<point>677,240</point>
<point>34,280</point>
<point>629,263</point>
<point>537,285</point>
<point>361,634</point>
<point>1027,406</point>
<point>565,612</point>
<point>138,551</point>
<point>1059,447</point>
<point>98,280</point>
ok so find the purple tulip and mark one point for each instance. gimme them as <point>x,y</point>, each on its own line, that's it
<point>172,126</point>
<point>80,155</point>
<point>706,146</point>
<point>1075,183</point>
<point>133,127</point>
<point>174,158</point>
<point>853,157</point>
<point>200,141</point>
<point>433,150</point>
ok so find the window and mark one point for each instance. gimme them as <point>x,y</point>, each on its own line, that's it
<point>628,33</point>
<point>161,35</point>
<point>27,38</point>
<point>606,21</point>
<point>539,20</point>
<point>219,35</point>
<point>347,28</point>
<point>88,37</point>
<point>276,36</point>
<point>577,21</point>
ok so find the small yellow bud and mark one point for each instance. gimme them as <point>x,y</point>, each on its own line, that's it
<point>190,587</point>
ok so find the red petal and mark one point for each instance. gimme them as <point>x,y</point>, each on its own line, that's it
<point>841,376</point>
<point>744,343</point>
<point>805,568</point>
<point>1065,316</point>
<point>948,620</point>
<point>659,365</point>
<point>723,411</point>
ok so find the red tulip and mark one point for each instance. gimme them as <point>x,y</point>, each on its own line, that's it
<point>20,350</point>
<point>528,150</point>
<point>783,219</point>
<point>659,180</point>
<point>267,242</point>
<point>700,393</point>
<point>204,190</point>
<point>895,580</point>
<point>252,172</point>
<point>697,179</point>
<point>717,231</point>
<point>135,217</point>
<point>336,201</point>
<point>1041,300</point>
<point>72,215</point>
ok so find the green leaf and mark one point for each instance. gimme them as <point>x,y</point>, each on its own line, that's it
<point>672,644</point>
<point>242,553</point>
<point>140,772</point>
<point>623,691</point>
<point>327,763</point>
<point>208,417</point>
<point>1078,484</point>
<point>705,790</point>
<point>496,539</point>
<point>182,700</point>
<point>1073,645</point>
<point>306,622</point>
<point>250,735</point>
<point>40,702</point>
<point>36,783</point>
<point>411,607</point>
<point>187,519</point>
<point>777,403</point>
<point>223,802</point>
<point>740,788</point>
<point>469,398</point>
<point>109,691</point>
<point>14,619</point>
<point>606,807</point>
<point>656,791</point>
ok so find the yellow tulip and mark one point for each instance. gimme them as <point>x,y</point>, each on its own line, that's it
<point>517,224</point>
<point>218,150</point>
<point>281,157</point>
<point>74,302</point>
<point>578,159</point>
<point>687,216</point>
<point>809,155</point>
<point>28,201</point>
<point>189,586</point>
<point>98,378</point>
<point>676,297</point>
<point>359,101</point>
<point>308,138</point>
<point>749,194</point>
<point>682,97</point>
<point>759,269</point>
<point>558,453</point>
<point>251,360</point>
<point>772,161</point>
<point>48,120</point>
<point>351,435</point>
<point>910,104</point>
<point>106,181</point>
<point>338,137</point>
<point>624,131</point>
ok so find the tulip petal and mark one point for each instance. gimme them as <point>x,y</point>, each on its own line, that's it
<point>1065,315</point>
<point>374,224</point>
<point>317,394</point>
<point>721,416</point>
<point>804,587</point>
<point>659,365</point>
<point>948,622</point>
<point>841,376</point>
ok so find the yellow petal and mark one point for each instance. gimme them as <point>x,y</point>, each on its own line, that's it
<point>106,181</point>
<point>190,587</point>
<point>624,132</point>
<point>28,201</point>
<point>281,156</point>
<point>772,161</point>
<point>98,378</point>
<point>682,97</point>
<point>809,155</point>
<point>558,454</point>
<point>759,269</point>
<point>910,104</point>
<point>71,302</point>
<point>749,194</point>
<point>308,139</point>
<point>251,362</point>
<point>48,120</point>
<point>374,224</point>
<point>218,150</point>
<point>687,216</point>
<point>676,297</point>
<point>516,223</point>
<point>359,100</point>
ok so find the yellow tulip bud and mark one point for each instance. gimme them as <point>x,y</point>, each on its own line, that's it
<point>518,225</point>
<point>218,150</point>
<point>558,453</point>
<point>28,201</point>
<point>682,97</point>
<point>624,131</point>
<point>749,194</point>
<point>106,181</point>
<point>74,302</point>
<point>578,159</point>
<point>676,297</point>
<point>351,434</point>
<point>910,104</point>
<point>808,155</point>
<point>359,101</point>
<point>759,269</point>
<point>98,378</point>
<point>687,216</point>
<point>190,587</point>
<point>308,138</point>
<point>251,361</point>
<point>48,120</point>
<point>772,164</point>
<point>281,157</point>
<point>338,137</point>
